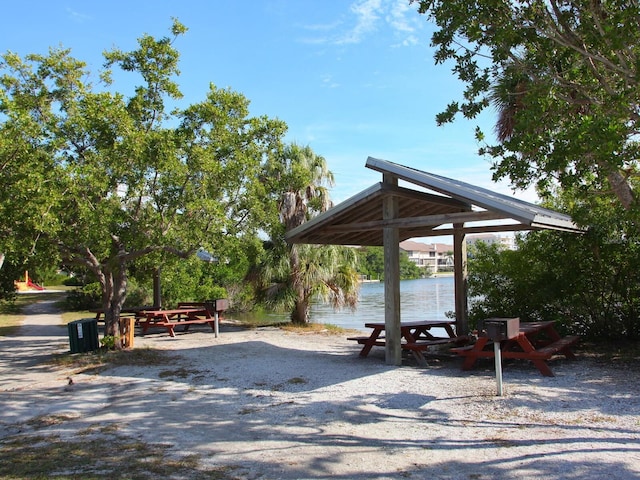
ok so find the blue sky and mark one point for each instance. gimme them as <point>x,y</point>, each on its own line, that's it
<point>351,79</point>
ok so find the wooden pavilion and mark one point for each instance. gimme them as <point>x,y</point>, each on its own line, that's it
<point>386,214</point>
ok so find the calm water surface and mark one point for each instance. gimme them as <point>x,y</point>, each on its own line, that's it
<point>423,299</point>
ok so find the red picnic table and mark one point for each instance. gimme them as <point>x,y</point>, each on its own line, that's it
<point>126,312</point>
<point>536,341</point>
<point>169,319</point>
<point>416,337</point>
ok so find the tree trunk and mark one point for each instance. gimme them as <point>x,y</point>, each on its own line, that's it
<point>114,288</point>
<point>621,188</point>
<point>300,313</point>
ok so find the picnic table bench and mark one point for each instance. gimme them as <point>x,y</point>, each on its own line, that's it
<point>536,342</point>
<point>416,337</point>
<point>170,319</point>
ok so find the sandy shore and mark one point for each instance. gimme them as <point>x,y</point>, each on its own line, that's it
<point>277,405</point>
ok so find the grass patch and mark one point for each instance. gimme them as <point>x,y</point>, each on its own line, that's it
<point>93,362</point>
<point>324,328</point>
<point>98,457</point>
<point>9,326</point>
<point>257,320</point>
<point>79,315</point>
<point>11,316</point>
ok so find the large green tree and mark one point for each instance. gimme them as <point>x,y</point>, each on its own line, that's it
<point>564,76</point>
<point>117,178</point>
<point>26,196</point>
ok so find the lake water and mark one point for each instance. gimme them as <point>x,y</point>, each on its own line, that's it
<point>422,299</point>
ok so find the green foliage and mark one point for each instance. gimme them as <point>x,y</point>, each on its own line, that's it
<point>190,280</point>
<point>564,77</point>
<point>371,264</point>
<point>193,279</point>
<point>587,283</point>
<point>84,298</point>
<point>408,269</point>
<point>72,281</point>
<point>48,275</point>
<point>139,293</point>
<point>109,342</point>
<point>326,273</point>
<point>8,274</point>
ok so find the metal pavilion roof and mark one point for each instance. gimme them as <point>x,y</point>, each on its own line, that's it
<point>359,221</point>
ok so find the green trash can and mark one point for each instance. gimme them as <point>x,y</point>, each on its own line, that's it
<point>83,335</point>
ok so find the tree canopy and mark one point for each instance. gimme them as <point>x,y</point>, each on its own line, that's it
<point>113,179</point>
<point>564,77</point>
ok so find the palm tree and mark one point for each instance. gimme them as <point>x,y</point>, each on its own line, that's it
<point>326,273</point>
<point>298,273</point>
<point>507,95</point>
<point>307,183</point>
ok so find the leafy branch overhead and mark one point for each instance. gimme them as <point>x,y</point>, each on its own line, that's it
<point>564,79</point>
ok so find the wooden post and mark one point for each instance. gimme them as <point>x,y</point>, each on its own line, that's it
<point>157,293</point>
<point>391,239</point>
<point>126,331</point>
<point>460,278</point>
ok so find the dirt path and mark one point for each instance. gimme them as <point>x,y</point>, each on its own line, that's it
<point>24,357</point>
<point>287,406</point>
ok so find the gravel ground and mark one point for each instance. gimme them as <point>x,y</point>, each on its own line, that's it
<point>278,405</point>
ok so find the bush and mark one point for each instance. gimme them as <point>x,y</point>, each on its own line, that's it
<point>138,294</point>
<point>84,298</point>
<point>580,281</point>
<point>72,282</point>
<point>190,280</point>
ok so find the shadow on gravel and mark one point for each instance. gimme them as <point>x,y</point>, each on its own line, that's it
<point>215,403</point>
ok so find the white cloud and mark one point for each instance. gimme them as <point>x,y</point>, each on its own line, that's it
<point>398,18</point>
<point>328,82</point>
<point>366,17</point>
<point>77,16</point>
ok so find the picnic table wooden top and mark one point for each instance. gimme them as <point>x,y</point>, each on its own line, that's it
<point>415,336</point>
<point>174,311</point>
<point>423,323</point>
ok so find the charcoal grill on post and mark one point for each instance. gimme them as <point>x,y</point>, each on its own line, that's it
<point>499,329</point>
<point>215,309</point>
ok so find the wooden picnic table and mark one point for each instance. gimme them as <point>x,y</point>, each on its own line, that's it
<point>169,319</point>
<point>536,342</point>
<point>126,312</point>
<point>416,337</point>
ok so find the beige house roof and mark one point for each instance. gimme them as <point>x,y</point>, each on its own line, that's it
<point>413,246</point>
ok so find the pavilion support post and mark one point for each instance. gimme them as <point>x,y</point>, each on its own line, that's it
<point>157,295</point>
<point>460,279</point>
<point>391,241</point>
